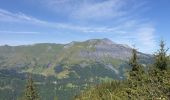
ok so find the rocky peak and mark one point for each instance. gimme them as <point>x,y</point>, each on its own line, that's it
<point>107,41</point>
<point>104,41</point>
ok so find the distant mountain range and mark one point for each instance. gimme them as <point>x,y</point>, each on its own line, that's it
<point>89,62</point>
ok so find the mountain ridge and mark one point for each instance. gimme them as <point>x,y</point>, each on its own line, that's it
<point>95,50</point>
<point>106,40</point>
<point>58,65</point>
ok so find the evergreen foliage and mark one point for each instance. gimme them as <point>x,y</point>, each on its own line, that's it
<point>161,58</point>
<point>153,84</point>
<point>30,92</point>
<point>133,61</point>
<point>136,68</point>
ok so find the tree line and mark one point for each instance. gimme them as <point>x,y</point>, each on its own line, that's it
<point>141,83</point>
<point>149,82</point>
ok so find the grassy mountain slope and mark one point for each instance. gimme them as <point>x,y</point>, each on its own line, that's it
<point>59,65</point>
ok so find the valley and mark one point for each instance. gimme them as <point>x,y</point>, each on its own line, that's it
<point>63,70</point>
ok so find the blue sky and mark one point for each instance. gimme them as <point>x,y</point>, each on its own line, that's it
<point>142,23</point>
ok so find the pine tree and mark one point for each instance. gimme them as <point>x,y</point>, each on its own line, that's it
<point>133,63</point>
<point>160,74</point>
<point>161,58</point>
<point>135,79</point>
<point>30,92</point>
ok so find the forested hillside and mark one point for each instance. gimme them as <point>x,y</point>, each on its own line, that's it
<point>151,84</point>
<point>63,70</point>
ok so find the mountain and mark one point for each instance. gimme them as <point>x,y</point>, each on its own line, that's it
<point>59,65</point>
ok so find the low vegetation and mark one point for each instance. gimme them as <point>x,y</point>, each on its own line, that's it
<point>30,91</point>
<point>141,84</point>
<point>143,81</point>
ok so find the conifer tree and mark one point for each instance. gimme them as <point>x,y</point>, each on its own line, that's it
<point>160,73</point>
<point>30,92</point>
<point>133,63</point>
<point>135,79</point>
<point>161,58</point>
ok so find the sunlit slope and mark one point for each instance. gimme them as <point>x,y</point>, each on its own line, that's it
<point>60,59</point>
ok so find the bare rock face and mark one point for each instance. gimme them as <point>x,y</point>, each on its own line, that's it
<point>106,48</point>
<point>43,54</point>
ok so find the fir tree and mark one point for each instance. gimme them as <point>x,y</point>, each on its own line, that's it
<point>133,63</point>
<point>161,58</point>
<point>30,92</point>
<point>135,79</point>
